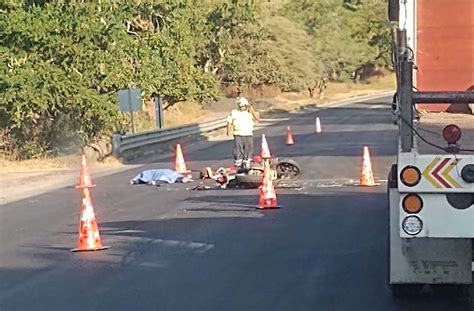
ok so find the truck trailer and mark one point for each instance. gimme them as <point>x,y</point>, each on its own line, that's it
<point>431,196</point>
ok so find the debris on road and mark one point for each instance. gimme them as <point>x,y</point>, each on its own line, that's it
<point>202,186</point>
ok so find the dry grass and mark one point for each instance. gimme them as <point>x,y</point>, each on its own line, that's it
<point>335,91</point>
<point>188,113</point>
<point>378,83</point>
<point>52,164</point>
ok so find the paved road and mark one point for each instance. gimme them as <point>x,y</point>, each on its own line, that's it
<point>173,249</point>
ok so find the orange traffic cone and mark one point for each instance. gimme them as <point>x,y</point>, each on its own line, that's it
<point>84,177</point>
<point>265,152</point>
<point>268,197</point>
<point>289,136</point>
<point>366,175</point>
<point>179,164</point>
<point>89,238</point>
<point>318,125</point>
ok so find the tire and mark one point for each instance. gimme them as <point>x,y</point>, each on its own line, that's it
<point>287,169</point>
<point>250,180</point>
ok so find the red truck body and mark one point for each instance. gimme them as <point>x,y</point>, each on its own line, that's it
<point>444,61</point>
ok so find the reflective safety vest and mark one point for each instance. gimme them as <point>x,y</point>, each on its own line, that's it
<point>242,122</point>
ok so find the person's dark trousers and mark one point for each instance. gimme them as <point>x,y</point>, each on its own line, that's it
<point>243,150</point>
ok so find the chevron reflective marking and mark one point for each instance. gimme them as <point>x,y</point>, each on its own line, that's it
<point>446,175</point>
<point>426,173</point>
<point>436,171</point>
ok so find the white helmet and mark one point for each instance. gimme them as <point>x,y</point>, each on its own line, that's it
<point>242,102</point>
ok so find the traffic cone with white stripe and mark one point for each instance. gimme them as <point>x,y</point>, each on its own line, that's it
<point>366,175</point>
<point>268,197</point>
<point>179,164</point>
<point>85,180</point>
<point>289,136</point>
<point>318,125</point>
<point>89,238</point>
<point>265,151</point>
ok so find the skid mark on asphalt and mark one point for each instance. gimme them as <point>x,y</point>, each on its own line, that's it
<point>193,246</point>
<point>221,204</point>
<point>221,210</point>
<point>145,247</point>
<point>324,183</point>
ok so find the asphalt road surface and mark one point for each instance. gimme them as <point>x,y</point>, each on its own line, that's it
<point>176,249</point>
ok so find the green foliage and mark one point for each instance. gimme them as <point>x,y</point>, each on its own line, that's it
<point>62,62</point>
<point>298,63</point>
<point>346,34</point>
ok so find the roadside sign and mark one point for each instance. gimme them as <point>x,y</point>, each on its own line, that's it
<point>130,100</point>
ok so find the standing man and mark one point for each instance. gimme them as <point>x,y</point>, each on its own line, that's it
<point>241,122</point>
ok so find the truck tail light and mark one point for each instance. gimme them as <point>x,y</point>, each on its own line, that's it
<point>412,225</point>
<point>412,203</point>
<point>410,176</point>
<point>452,133</point>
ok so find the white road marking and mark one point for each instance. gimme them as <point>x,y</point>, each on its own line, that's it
<point>274,120</point>
<point>379,106</point>
<point>125,231</point>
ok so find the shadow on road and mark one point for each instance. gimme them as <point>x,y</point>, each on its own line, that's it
<point>321,251</point>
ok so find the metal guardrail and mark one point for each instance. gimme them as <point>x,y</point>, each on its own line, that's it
<point>121,143</point>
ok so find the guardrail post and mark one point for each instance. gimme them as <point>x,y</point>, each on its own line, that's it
<point>116,142</point>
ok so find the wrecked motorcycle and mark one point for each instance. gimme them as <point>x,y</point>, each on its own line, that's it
<point>283,170</point>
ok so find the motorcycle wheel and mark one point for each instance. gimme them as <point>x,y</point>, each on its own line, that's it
<point>288,169</point>
<point>252,179</point>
